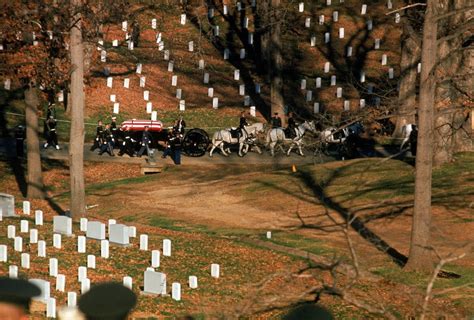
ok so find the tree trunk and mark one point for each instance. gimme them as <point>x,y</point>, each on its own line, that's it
<point>76,144</point>
<point>35,176</point>
<point>420,256</point>
<point>411,52</point>
<point>276,79</point>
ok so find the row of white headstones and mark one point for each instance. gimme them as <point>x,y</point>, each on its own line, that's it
<point>154,282</point>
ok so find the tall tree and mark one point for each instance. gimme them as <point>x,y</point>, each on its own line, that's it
<point>276,61</point>
<point>420,256</point>
<point>76,143</point>
<point>35,188</point>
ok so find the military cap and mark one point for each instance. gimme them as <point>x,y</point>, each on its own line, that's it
<point>114,118</point>
<point>308,311</point>
<point>18,292</point>
<point>107,301</point>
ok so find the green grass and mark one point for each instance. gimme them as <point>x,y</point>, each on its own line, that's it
<point>293,240</point>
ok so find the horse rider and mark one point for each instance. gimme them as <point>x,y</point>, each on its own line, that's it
<point>290,129</point>
<point>276,120</point>
<point>242,123</point>
<point>107,142</point>
<point>52,137</point>
<point>179,125</point>
<point>146,140</point>
<point>128,143</point>
<point>99,131</point>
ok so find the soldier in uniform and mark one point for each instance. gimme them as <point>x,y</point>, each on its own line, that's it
<point>99,131</point>
<point>107,142</point>
<point>290,129</point>
<point>145,143</point>
<point>52,137</point>
<point>15,298</point>
<point>276,120</point>
<point>179,125</point>
<point>114,130</point>
<point>128,144</point>
<point>242,123</point>
<point>108,301</point>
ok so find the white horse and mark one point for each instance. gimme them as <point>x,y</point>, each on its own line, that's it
<point>245,140</point>
<point>277,136</point>
<point>407,129</point>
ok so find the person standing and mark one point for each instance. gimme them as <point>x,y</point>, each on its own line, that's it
<point>145,143</point>
<point>107,142</point>
<point>179,125</point>
<point>52,137</point>
<point>128,144</point>
<point>114,130</point>
<point>99,132</point>
<point>176,148</point>
<point>135,33</point>
<point>276,120</point>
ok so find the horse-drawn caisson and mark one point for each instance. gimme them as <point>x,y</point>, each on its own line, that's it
<point>194,143</point>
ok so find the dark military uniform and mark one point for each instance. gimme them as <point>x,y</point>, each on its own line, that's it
<point>128,144</point>
<point>99,132</point>
<point>52,137</point>
<point>290,130</point>
<point>114,130</point>
<point>276,121</point>
<point>146,140</point>
<point>179,126</point>
<point>107,143</point>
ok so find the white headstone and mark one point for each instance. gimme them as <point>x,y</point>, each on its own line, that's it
<point>18,245</point>
<point>155,258</point>
<point>126,83</point>
<point>236,74</point>
<point>154,282</point>
<point>390,73</point>
<point>384,59</point>
<point>61,282</point>
<point>225,10</point>
<point>397,17</point>
<point>61,96</point>
<point>183,19</point>
<point>174,80</point>
<point>389,4</point>
<point>71,299</point>
<point>364,9</point>
<point>25,260</point>
<point>139,68</point>
<point>170,66</point>
<point>362,103</point>
<point>149,107</point>
<point>191,46</point>
<point>349,51</point>
<point>313,41</point>
<point>142,81</point>
<point>33,236</point>
<point>328,2</point>
<point>253,111</point>
<point>318,82</point>
<point>91,261</point>
<point>130,45</point>
<point>418,67</point>
<point>269,234</point>
<point>124,26</point>
<point>57,241</point>
<point>182,105</point>
<point>104,249</point>
<point>377,44</point>
<point>206,77</point>
<point>81,273</point>
<point>116,108</point>
<point>193,282</point>
<point>109,82</point>
<point>95,230</point>
<point>115,43</point>
<point>3,253</point>
<point>341,33</point>
<point>143,242</point>
<point>166,55</point>
<point>246,101</point>
<point>118,233</point>
<point>333,80</point>
<point>38,217</point>
<point>11,232</point>
<point>215,270</point>
<point>327,37</point>
<point>316,107</point>
<point>335,16</point>
<point>250,38</point>
<point>85,285</point>
<point>132,232</point>
<point>13,271</point>
<point>307,22</point>
<point>176,291</point>
<point>81,244</point>
<point>42,248</point>
<point>45,289</point>
<point>127,282</point>
<point>201,64</point>
<point>215,102</point>
<point>226,54</point>
<point>51,308</point>
<point>24,227</point>
<point>245,23</point>
<point>153,23</point>
<point>113,97</point>
<point>53,267</point>
<point>309,95</point>
<point>347,105</point>
<point>161,46</point>
<point>63,225</point>
<point>26,207</point>
<point>167,247</point>
<point>154,115</point>
<point>301,7</point>
<point>103,56</point>
<point>326,67</point>
<point>210,92</point>
<point>257,88</point>
<point>242,89</point>
<point>321,20</point>
<point>339,92</point>
<point>370,25</point>
<point>303,84</point>
<point>146,95</point>
<point>179,93</point>
<point>7,83</point>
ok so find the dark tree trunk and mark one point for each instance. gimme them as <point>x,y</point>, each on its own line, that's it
<point>276,60</point>
<point>420,256</point>
<point>76,144</point>
<point>35,176</point>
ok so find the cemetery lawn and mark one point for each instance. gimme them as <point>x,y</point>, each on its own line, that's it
<point>220,214</point>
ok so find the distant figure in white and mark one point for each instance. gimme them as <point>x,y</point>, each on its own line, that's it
<point>276,136</point>
<point>407,130</point>
<point>245,139</point>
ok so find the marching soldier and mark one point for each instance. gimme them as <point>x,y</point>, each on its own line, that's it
<point>107,142</point>
<point>113,129</point>
<point>52,137</point>
<point>145,143</point>
<point>128,144</point>
<point>99,132</point>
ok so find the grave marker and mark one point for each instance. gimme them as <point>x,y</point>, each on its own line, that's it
<point>11,232</point>
<point>95,230</point>
<point>42,248</point>
<point>174,80</point>
<point>236,74</point>
<point>215,270</point>
<point>301,7</point>
<point>63,225</point>
<point>71,299</point>
<point>246,101</point>
<point>103,56</point>
<point>13,271</point>
<point>81,273</point>
<point>153,23</point>
<point>313,41</point>
<point>51,308</point>
<point>216,31</point>
<point>166,55</point>
<point>85,285</point>
<point>303,84</point>
<point>362,103</point>
<point>44,287</point>
<point>362,76</point>
<point>225,10</point>
<point>61,282</point>
<point>349,51</point>
<point>339,92</point>
<point>253,111</point>
<point>242,89</point>
<point>326,67</point>
<point>154,115</point>
<point>146,95</point>
<point>53,267</point>
<point>206,77</point>
<point>384,59</point>
<point>109,82</point>
<point>132,231</point>
<point>116,108</point>
<point>327,37</point>
<point>318,82</point>
<point>24,226</point>
<point>104,249</point>
<point>341,33</point>
<point>7,83</point>
<point>118,234</point>
<point>127,282</point>
<point>250,38</point>
<point>126,83</point>
<point>397,17</point>
<point>81,244</point>
<point>321,19</point>
<point>369,25</point>
<point>245,23</point>
<point>333,80</point>
<point>3,253</point>
<point>115,43</point>
<point>242,54</point>
<point>335,16</point>
<point>391,73</point>
<point>226,54</point>
<point>377,44</point>
<point>18,245</point>
<point>389,4</point>
<point>155,258</point>
<point>269,234</point>
<point>149,107</point>
<point>170,66</point>
<point>124,26</point>
<point>182,105</point>
<point>364,9</point>
<point>257,88</point>
<point>215,102</point>
<point>418,67</point>
<point>210,92</point>
<point>193,282</point>
<point>25,260</point>
<point>309,95</point>
<point>201,64</point>
<point>183,19</point>
<point>33,236</point>
<point>91,261</point>
<point>167,247</point>
<point>179,93</point>
<point>113,97</point>
<point>142,81</point>
<point>191,46</point>
<point>26,207</point>
<point>154,282</point>
<point>328,2</point>
<point>347,105</point>
<point>176,291</point>
<point>130,45</point>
